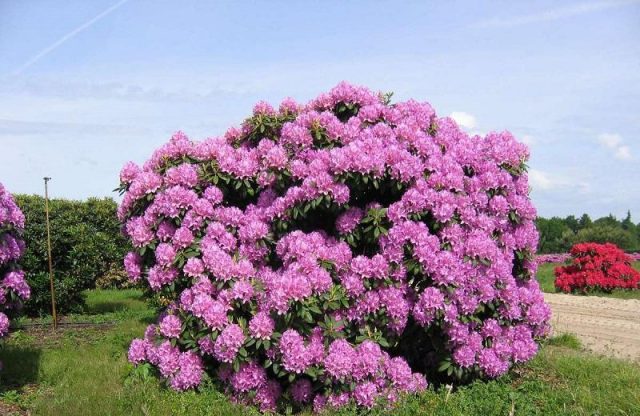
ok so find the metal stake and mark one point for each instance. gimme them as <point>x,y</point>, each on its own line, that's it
<point>53,294</point>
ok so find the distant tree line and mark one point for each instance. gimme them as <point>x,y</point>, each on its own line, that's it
<point>557,235</point>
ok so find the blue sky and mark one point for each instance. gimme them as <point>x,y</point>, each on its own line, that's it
<point>87,85</point>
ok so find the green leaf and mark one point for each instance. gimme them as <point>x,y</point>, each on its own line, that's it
<point>315,309</point>
<point>444,365</point>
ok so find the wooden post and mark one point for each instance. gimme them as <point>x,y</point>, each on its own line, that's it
<point>53,293</point>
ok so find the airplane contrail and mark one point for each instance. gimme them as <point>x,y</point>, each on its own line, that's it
<point>66,37</point>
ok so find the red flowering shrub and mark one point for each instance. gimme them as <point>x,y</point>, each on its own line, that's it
<point>597,267</point>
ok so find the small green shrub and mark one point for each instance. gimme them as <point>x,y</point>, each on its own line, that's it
<point>86,246</point>
<point>69,295</point>
<point>115,278</point>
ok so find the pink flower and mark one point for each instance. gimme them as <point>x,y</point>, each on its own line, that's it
<point>301,391</point>
<point>137,350</point>
<point>170,326</point>
<point>159,277</point>
<point>139,231</point>
<point>348,221</point>
<point>249,377</point>
<point>312,226</point>
<point>133,266</point>
<point>13,286</point>
<point>340,360</point>
<point>190,371</point>
<point>165,254</point>
<point>365,394</point>
<point>129,172</point>
<point>261,326</point>
<point>295,357</point>
<point>228,343</point>
<point>193,267</point>
<point>168,359</point>
<point>185,174</point>
<point>4,324</point>
<point>183,237</point>
<point>16,282</point>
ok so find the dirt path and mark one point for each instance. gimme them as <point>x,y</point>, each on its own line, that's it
<point>604,325</point>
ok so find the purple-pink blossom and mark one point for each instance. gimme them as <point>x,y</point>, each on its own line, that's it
<point>314,240</point>
<point>14,289</point>
<point>170,326</point>
<point>228,343</point>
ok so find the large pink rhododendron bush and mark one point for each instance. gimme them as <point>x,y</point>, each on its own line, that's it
<point>342,251</point>
<point>13,287</point>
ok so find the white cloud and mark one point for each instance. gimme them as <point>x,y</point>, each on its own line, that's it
<point>541,180</point>
<point>554,14</point>
<point>528,140</point>
<point>623,153</point>
<point>566,181</point>
<point>615,143</point>
<point>610,140</point>
<point>464,120</point>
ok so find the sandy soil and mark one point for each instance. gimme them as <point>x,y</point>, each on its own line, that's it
<point>604,325</point>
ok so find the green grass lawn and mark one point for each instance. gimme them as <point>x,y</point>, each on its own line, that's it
<point>85,372</point>
<point>546,278</point>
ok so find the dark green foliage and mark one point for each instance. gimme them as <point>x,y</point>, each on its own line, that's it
<point>555,235</point>
<point>86,245</point>
<point>626,223</point>
<point>585,221</point>
<point>558,235</point>
<point>69,297</point>
<point>607,234</point>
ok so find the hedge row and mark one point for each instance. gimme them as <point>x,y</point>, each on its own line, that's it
<point>87,246</point>
<point>558,235</point>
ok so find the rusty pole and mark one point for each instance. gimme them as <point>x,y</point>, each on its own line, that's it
<point>53,294</point>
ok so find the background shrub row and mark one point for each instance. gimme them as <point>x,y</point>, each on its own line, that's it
<point>558,235</point>
<point>87,249</point>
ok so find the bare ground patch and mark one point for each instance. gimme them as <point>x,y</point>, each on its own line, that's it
<point>604,325</point>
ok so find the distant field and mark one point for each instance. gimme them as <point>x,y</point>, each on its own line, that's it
<point>546,278</point>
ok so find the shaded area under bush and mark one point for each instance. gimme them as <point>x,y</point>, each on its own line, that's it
<point>21,366</point>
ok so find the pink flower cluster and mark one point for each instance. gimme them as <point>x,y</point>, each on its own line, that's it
<point>13,286</point>
<point>335,252</point>
<point>183,370</point>
<point>553,258</point>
